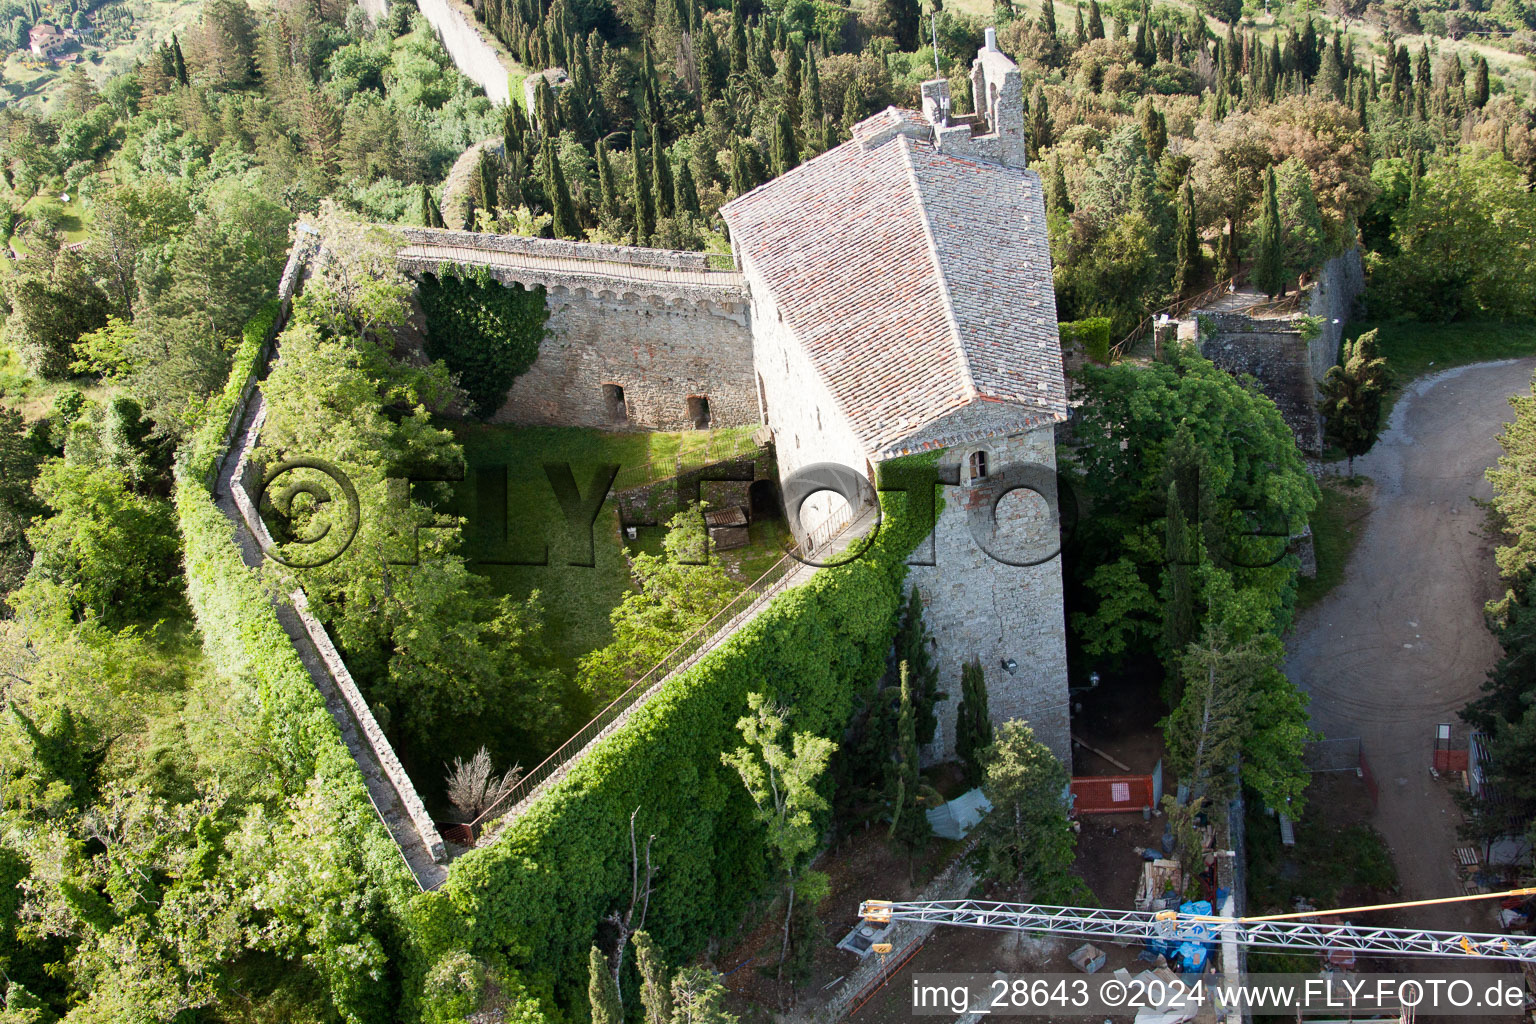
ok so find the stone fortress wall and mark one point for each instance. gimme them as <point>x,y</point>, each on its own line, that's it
<point>637,338</point>
<point>1008,617</point>
<point>662,355</point>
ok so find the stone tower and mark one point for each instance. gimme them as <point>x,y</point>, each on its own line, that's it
<point>901,302</point>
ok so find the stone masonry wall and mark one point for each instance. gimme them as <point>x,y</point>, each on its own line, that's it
<point>1279,359</point>
<point>660,353</point>
<point>808,424</point>
<point>1338,288</point>
<point>979,607</point>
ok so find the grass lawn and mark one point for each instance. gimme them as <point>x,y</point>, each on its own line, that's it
<point>1337,860</point>
<point>1335,528</point>
<point>577,598</point>
<point>1414,349</point>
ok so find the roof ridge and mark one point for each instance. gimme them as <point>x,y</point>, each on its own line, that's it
<point>945,298</point>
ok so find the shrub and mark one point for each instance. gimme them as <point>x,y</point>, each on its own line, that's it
<point>533,897</point>
<point>488,333</point>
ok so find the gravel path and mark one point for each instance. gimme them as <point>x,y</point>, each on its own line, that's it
<point>1400,645</point>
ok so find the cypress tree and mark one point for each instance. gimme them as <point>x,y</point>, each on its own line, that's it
<point>1188,262</point>
<point>1095,20</point>
<point>1142,52</point>
<point>655,987</point>
<point>1040,121</point>
<point>687,197</point>
<point>1079,32</point>
<point>602,993</point>
<point>738,40</point>
<point>572,113</point>
<point>786,155</point>
<point>741,181</point>
<point>545,109</point>
<point>1048,19</point>
<point>1480,83</point>
<point>760,54</point>
<point>485,182</point>
<point>641,198</point>
<point>607,187</point>
<point>790,74</point>
<point>179,61</point>
<point>706,51</point>
<point>812,110</point>
<point>514,129</point>
<point>1061,201</point>
<point>973,726</point>
<point>424,207</point>
<point>661,176</point>
<point>1154,130</point>
<point>909,825</point>
<point>853,105</point>
<point>1311,59</point>
<point>1330,75</point>
<point>913,651</point>
<point>900,18</point>
<point>1269,265</point>
<point>560,204</point>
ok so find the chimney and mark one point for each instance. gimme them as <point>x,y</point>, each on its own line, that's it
<point>991,44</point>
<point>936,105</point>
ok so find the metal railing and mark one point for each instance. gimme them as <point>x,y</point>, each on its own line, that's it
<point>1172,310</point>
<point>571,266</point>
<point>698,643</point>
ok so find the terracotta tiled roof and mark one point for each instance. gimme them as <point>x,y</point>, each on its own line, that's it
<point>919,282</point>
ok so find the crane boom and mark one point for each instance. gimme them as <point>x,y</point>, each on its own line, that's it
<point>1142,925</point>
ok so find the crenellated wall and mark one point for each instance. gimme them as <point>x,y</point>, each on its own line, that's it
<point>660,352</point>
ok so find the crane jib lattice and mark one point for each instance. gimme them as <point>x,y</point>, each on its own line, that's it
<point>1141,925</point>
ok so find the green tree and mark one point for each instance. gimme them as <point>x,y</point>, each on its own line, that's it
<point>899,19</point>
<point>677,593</point>
<point>914,649</point>
<point>1248,460</point>
<point>908,795</point>
<point>1352,395</point>
<point>699,998</point>
<point>1269,271</point>
<point>602,993</point>
<point>661,171</point>
<point>973,726</point>
<point>1479,95</point>
<point>1095,20</point>
<point>686,195</point>
<point>642,199</point>
<point>564,211</point>
<point>786,154</point>
<point>487,333</point>
<point>1027,837</point>
<point>655,986</point>
<point>781,773</point>
<point>1189,262</point>
<point>110,553</point>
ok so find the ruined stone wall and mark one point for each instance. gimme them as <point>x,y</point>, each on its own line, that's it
<point>1278,358</point>
<point>1338,288</point>
<point>979,607</point>
<point>660,352</point>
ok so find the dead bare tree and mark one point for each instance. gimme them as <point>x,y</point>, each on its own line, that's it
<point>473,786</point>
<point>639,897</point>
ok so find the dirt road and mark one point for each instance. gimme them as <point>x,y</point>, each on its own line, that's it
<point>1399,646</point>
